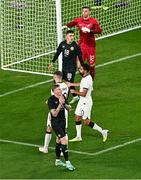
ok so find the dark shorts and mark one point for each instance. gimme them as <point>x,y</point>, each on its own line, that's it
<point>68,76</point>
<point>59,128</point>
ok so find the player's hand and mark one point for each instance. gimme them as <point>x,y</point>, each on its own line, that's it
<point>85,30</point>
<point>72,91</point>
<point>68,84</point>
<point>65,27</point>
<point>68,107</point>
<point>50,67</point>
<point>62,100</point>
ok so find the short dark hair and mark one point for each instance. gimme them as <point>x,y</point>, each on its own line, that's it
<point>86,67</point>
<point>55,86</point>
<point>86,7</point>
<point>69,31</point>
<point>58,73</point>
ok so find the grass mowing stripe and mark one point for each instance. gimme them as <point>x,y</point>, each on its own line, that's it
<point>77,152</point>
<point>118,60</point>
<point>27,87</point>
<point>50,80</point>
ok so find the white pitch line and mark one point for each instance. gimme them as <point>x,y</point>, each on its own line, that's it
<point>77,152</point>
<point>27,87</point>
<point>44,82</point>
<point>118,60</point>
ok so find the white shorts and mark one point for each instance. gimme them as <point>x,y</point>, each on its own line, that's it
<point>83,108</point>
<point>49,119</point>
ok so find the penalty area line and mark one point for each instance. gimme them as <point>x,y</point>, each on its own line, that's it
<point>50,80</point>
<point>77,152</point>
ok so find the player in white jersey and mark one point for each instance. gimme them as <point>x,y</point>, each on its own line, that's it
<point>84,106</point>
<point>57,80</point>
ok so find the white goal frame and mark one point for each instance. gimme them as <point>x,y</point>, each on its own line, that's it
<point>59,32</point>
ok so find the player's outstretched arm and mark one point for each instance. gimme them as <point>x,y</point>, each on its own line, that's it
<point>65,28</point>
<point>83,93</point>
<point>68,107</point>
<point>72,84</point>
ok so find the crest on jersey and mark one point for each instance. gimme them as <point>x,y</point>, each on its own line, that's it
<point>72,48</point>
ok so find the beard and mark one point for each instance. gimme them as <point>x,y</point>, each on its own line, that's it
<point>81,74</point>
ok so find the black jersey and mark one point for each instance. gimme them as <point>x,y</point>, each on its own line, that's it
<point>69,55</point>
<point>53,103</point>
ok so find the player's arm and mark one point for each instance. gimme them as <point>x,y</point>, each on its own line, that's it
<point>79,54</point>
<point>69,84</point>
<point>83,93</point>
<point>72,23</point>
<point>58,51</point>
<point>54,111</point>
<point>67,106</point>
<point>96,28</point>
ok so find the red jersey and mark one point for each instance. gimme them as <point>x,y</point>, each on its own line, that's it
<point>90,23</point>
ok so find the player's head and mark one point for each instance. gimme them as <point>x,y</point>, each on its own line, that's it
<point>84,69</point>
<point>86,12</point>
<point>69,36</point>
<point>57,77</point>
<point>57,90</point>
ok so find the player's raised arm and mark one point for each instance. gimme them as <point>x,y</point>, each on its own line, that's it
<point>72,23</point>
<point>96,28</point>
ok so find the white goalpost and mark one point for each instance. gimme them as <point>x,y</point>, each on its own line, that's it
<point>30,30</point>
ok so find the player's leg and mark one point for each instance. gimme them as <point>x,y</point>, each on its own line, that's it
<point>84,51</point>
<point>66,127</point>
<point>91,124</point>
<point>61,144</point>
<point>48,136</point>
<point>86,117</point>
<point>78,124</point>
<point>66,116</point>
<point>58,150</point>
<point>91,56</point>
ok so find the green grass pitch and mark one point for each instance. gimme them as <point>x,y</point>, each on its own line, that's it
<point>117,107</point>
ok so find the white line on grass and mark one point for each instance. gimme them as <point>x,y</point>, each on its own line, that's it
<point>77,152</point>
<point>27,87</point>
<point>118,60</point>
<point>44,82</point>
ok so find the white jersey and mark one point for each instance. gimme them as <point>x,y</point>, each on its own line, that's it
<point>86,83</point>
<point>64,88</point>
<point>84,105</point>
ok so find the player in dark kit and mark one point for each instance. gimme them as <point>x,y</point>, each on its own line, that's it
<point>88,27</point>
<point>57,105</point>
<point>70,51</point>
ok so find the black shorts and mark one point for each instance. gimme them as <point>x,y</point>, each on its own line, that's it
<point>59,128</point>
<point>68,76</point>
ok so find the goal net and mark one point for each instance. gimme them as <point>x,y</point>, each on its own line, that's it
<point>29,31</point>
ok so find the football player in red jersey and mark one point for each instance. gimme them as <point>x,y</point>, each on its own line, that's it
<point>88,27</point>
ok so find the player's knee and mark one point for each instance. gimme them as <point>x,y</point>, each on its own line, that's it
<point>77,118</point>
<point>49,129</point>
<point>86,122</point>
<point>64,140</point>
